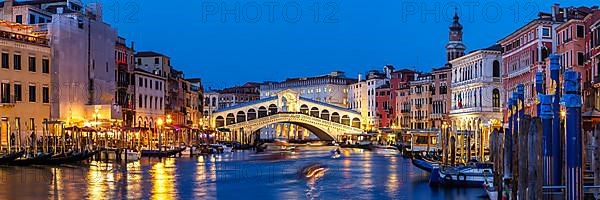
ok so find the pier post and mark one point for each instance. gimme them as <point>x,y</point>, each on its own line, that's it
<point>573,146</point>
<point>547,115</point>
<point>507,169</point>
<point>498,140</point>
<point>539,88</point>
<point>534,188</point>
<point>508,142</point>
<point>596,159</point>
<point>522,173</point>
<point>515,146</point>
<point>556,127</point>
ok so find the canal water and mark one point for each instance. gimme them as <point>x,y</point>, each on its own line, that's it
<point>357,174</point>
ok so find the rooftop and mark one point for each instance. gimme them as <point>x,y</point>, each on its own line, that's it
<point>149,54</point>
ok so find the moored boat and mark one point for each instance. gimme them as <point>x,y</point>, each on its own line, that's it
<point>5,159</point>
<point>471,175</point>
<point>30,159</point>
<point>424,164</point>
<point>162,153</point>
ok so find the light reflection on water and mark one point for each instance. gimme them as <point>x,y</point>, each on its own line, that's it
<point>356,175</point>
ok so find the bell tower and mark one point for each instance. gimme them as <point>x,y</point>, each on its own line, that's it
<point>455,47</point>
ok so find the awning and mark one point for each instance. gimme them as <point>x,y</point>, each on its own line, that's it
<point>591,114</point>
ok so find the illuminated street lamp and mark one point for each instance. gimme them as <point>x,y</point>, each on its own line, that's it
<point>159,123</point>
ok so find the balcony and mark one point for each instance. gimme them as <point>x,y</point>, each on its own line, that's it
<point>24,38</point>
<point>475,109</point>
<point>436,116</point>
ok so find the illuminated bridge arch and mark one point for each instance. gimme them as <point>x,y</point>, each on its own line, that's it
<point>326,121</point>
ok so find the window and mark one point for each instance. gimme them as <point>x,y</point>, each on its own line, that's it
<point>580,59</point>
<point>580,31</point>
<point>31,19</point>
<point>19,19</point>
<point>32,93</point>
<point>145,83</point>
<point>140,101</point>
<point>546,32</point>
<point>141,81</point>
<point>41,20</point>
<point>17,61</point>
<point>31,123</point>
<point>139,61</point>
<point>496,69</point>
<point>156,61</point>
<point>45,95</point>
<point>496,98</point>
<point>18,93</point>
<point>5,60</point>
<point>32,64</point>
<point>5,90</point>
<point>45,66</point>
<point>156,85</point>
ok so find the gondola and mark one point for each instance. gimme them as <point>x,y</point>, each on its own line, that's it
<point>424,164</point>
<point>471,175</point>
<point>34,160</point>
<point>10,157</point>
<point>161,154</point>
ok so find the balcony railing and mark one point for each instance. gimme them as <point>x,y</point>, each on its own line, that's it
<point>24,38</point>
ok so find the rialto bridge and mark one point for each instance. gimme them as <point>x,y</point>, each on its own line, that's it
<point>324,120</point>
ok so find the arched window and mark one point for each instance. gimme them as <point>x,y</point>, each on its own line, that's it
<point>496,68</point>
<point>496,98</point>
<point>214,102</point>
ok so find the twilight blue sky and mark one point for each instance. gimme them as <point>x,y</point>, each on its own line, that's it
<point>273,41</point>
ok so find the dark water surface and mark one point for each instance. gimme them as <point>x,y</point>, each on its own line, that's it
<point>239,175</point>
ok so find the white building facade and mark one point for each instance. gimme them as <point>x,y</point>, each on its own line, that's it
<point>149,98</point>
<point>476,96</point>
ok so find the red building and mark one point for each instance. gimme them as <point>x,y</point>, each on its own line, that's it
<point>387,94</point>
<point>525,52</point>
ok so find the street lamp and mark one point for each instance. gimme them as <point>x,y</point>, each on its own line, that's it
<point>159,123</point>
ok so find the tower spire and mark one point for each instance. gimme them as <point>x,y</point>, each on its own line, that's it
<point>455,48</point>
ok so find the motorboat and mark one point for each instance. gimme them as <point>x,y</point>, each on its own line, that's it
<point>278,146</point>
<point>470,175</point>
<point>385,150</point>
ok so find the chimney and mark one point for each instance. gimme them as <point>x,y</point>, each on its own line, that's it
<point>8,11</point>
<point>555,11</point>
<point>359,77</point>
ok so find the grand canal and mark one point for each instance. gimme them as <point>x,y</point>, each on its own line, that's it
<point>357,174</point>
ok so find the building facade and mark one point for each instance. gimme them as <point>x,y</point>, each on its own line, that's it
<point>149,98</point>
<point>331,88</point>
<point>441,92</point>
<point>125,93</point>
<point>239,94</point>
<point>525,52</point>
<point>420,101</point>
<point>476,97</point>
<point>25,84</point>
